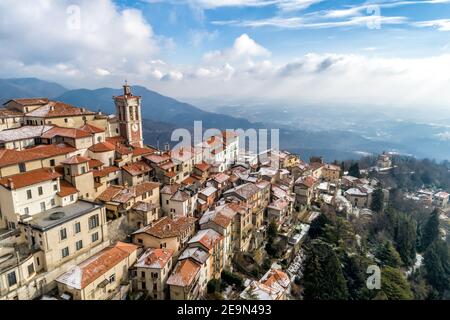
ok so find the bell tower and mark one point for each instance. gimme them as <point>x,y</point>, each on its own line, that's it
<point>128,111</point>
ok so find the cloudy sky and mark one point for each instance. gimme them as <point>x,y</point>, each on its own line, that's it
<point>347,52</point>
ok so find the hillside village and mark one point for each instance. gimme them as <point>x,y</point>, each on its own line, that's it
<point>89,212</point>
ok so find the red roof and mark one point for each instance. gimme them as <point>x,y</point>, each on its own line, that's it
<point>91,129</point>
<point>30,101</point>
<point>138,151</point>
<point>29,178</point>
<point>184,273</point>
<point>12,156</point>
<point>105,171</point>
<point>75,160</point>
<point>66,189</point>
<point>202,166</point>
<point>137,168</point>
<point>94,163</point>
<point>58,109</point>
<point>65,132</point>
<point>102,147</point>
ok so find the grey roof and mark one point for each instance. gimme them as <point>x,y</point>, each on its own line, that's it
<point>56,216</point>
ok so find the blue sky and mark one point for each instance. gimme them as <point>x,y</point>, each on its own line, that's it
<point>218,25</point>
<point>377,53</point>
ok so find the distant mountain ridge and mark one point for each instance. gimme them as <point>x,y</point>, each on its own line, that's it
<point>29,87</point>
<point>155,107</point>
<point>162,115</point>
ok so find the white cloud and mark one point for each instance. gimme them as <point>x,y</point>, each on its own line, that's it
<point>439,24</point>
<point>244,47</point>
<point>62,42</point>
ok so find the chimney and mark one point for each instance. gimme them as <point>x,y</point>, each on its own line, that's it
<point>11,183</point>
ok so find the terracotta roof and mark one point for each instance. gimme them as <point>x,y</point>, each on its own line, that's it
<point>122,195</point>
<point>123,149</point>
<point>308,181</point>
<point>144,206</point>
<point>138,151</point>
<point>91,269</point>
<point>12,156</point>
<point>109,193</point>
<point>102,147</point>
<point>30,101</point>
<point>207,238</point>
<point>6,113</point>
<point>137,168</point>
<point>202,166</point>
<point>105,171</point>
<point>66,189</point>
<point>75,160</point>
<point>170,188</point>
<point>155,258</point>
<point>65,132</point>
<point>29,178</point>
<point>58,109</point>
<point>168,228</point>
<point>184,273</point>
<point>91,129</point>
<point>116,139</point>
<point>157,158</point>
<point>188,181</point>
<point>94,163</point>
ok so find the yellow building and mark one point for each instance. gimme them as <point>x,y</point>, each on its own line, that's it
<point>101,276</point>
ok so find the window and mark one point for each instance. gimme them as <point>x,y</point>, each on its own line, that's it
<point>65,120</point>
<point>140,241</point>
<point>93,222</point>
<point>143,274</point>
<point>112,278</point>
<point>94,237</point>
<point>71,197</point>
<point>55,187</point>
<point>29,195</point>
<point>79,245</point>
<point>143,285</point>
<point>52,162</point>
<point>30,269</point>
<point>22,167</point>
<point>63,234</point>
<point>42,206</point>
<point>12,280</point>
<point>40,191</point>
<point>77,227</point>
<point>38,261</point>
<point>52,202</point>
<point>26,210</point>
<point>65,252</point>
<point>154,275</point>
<point>83,170</point>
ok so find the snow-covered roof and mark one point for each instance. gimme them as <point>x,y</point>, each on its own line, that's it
<point>25,132</point>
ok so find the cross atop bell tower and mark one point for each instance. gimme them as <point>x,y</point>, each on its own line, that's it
<point>128,111</point>
<point>127,89</point>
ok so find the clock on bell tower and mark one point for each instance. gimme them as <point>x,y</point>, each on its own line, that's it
<point>128,111</point>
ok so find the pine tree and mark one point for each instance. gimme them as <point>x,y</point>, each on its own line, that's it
<point>323,277</point>
<point>317,226</point>
<point>430,230</point>
<point>437,266</point>
<point>405,239</point>
<point>394,285</point>
<point>388,256</point>
<point>354,170</point>
<point>377,204</point>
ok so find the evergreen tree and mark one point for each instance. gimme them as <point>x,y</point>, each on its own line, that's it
<point>323,277</point>
<point>430,231</point>
<point>388,256</point>
<point>405,239</point>
<point>317,226</point>
<point>394,285</point>
<point>437,266</point>
<point>377,204</point>
<point>354,170</point>
<point>355,267</point>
